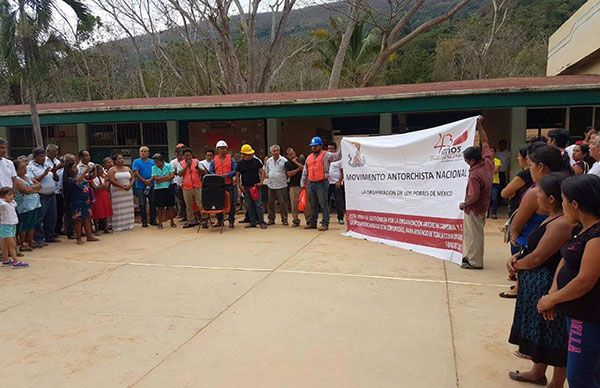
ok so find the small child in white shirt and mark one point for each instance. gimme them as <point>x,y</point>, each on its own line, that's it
<point>8,229</point>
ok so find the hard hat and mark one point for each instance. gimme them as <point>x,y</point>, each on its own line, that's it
<point>316,141</point>
<point>247,149</point>
<point>221,143</point>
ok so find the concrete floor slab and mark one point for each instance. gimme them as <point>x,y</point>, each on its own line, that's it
<point>361,257</point>
<point>144,291</point>
<point>322,332</point>
<point>247,248</point>
<point>51,345</point>
<point>20,285</point>
<point>337,312</point>
<point>481,323</point>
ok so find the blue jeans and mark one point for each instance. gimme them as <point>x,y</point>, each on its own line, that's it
<point>44,230</point>
<point>583,360</point>
<point>139,193</point>
<point>495,199</point>
<point>255,209</point>
<point>318,193</point>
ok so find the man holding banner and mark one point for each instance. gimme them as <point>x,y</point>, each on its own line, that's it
<point>404,190</point>
<point>314,177</point>
<point>477,200</point>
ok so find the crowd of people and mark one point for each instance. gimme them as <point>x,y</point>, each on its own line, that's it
<point>553,233</point>
<point>44,196</point>
<point>553,228</point>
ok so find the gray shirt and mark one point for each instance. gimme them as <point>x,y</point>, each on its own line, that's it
<point>275,170</point>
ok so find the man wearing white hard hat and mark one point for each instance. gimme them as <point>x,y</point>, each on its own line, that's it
<point>223,164</point>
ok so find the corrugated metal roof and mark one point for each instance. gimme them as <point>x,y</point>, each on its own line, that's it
<point>472,87</point>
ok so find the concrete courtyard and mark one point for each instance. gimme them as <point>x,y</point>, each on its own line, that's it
<point>253,308</point>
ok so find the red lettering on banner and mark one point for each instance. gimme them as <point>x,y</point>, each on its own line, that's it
<point>441,233</point>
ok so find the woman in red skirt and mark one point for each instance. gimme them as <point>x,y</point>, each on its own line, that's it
<point>102,207</point>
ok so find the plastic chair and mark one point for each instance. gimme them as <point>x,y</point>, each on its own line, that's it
<point>223,211</point>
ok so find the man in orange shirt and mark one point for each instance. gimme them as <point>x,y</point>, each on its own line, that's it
<point>225,165</point>
<point>315,178</point>
<point>192,186</point>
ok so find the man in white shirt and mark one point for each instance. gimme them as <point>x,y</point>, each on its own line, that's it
<point>52,156</point>
<point>85,160</point>
<point>595,153</point>
<point>8,175</point>
<point>209,155</point>
<point>277,183</point>
<point>43,170</point>
<point>178,180</point>
<point>336,185</point>
<point>67,225</point>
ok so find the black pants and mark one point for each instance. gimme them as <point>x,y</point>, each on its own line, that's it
<point>60,214</point>
<point>231,189</point>
<point>338,198</point>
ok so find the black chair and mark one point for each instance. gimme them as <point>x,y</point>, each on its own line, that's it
<point>215,199</point>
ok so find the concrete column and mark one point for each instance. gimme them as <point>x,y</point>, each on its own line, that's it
<point>273,129</point>
<point>82,137</point>
<point>385,124</point>
<point>518,136</point>
<point>402,122</point>
<point>172,137</point>
<point>4,133</point>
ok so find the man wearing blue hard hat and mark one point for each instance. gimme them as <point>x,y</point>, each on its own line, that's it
<point>314,177</point>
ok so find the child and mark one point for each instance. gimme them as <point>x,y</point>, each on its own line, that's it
<point>8,228</point>
<point>80,203</point>
<point>101,207</point>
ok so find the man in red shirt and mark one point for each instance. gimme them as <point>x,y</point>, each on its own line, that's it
<point>477,200</point>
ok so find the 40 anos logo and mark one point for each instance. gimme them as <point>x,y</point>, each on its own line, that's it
<point>448,145</point>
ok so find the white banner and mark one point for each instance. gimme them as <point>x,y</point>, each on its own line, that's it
<point>405,190</point>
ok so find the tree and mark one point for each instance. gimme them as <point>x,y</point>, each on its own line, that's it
<point>346,69</point>
<point>28,43</point>
<point>393,25</point>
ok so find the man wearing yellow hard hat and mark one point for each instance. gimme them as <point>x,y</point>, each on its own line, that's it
<point>250,175</point>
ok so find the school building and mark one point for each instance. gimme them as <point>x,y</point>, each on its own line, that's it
<point>515,110</point>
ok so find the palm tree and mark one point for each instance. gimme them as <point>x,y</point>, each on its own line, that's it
<point>28,43</point>
<point>361,47</point>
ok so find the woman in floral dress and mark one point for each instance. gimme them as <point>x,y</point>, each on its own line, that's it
<point>80,205</point>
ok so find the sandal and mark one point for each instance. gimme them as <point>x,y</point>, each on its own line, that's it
<point>25,248</point>
<point>517,376</point>
<point>521,355</point>
<point>160,227</point>
<point>506,295</point>
<point>7,263</point>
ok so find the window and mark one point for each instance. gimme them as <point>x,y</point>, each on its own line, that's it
<point>101,134</point>
<point>128,134</point>
<point>21,137</point>
<point>580,119</point>
<point>155,133</point>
